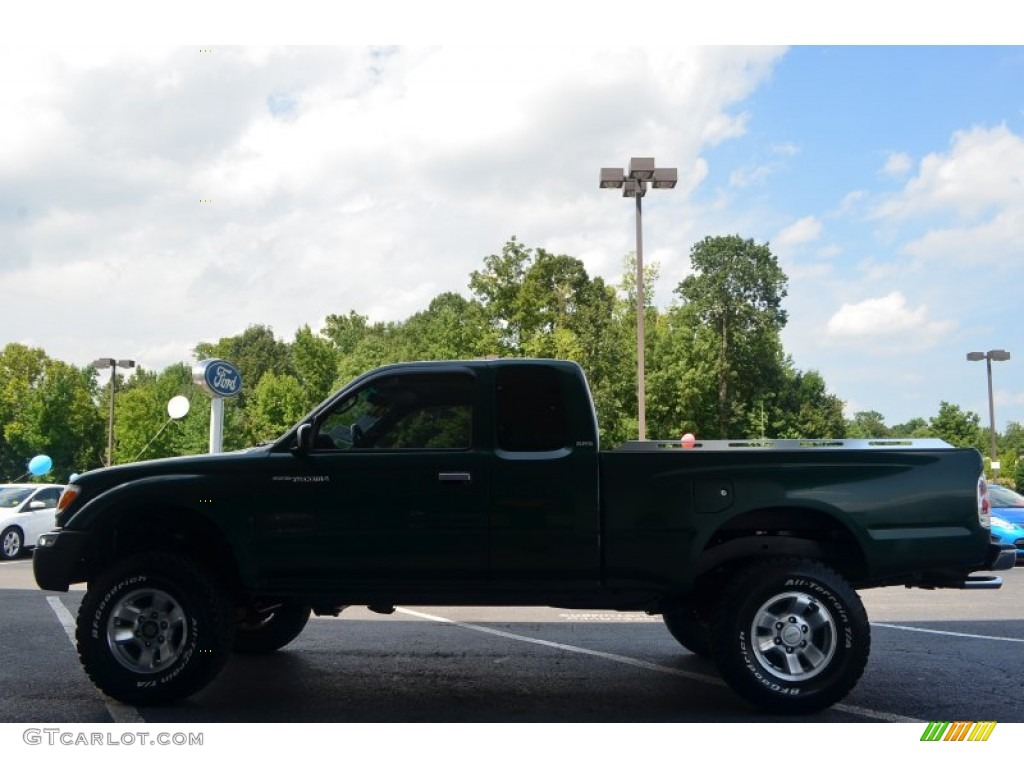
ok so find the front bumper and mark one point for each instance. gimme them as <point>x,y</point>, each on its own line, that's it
<point>61,559</point>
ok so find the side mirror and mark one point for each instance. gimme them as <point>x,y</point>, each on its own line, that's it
<point>304,438</point>
<point>36,505</point>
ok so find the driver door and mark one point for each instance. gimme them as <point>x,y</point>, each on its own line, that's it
<point>392,491</point>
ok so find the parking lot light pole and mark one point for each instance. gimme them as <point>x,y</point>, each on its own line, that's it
<point>998,355</point>
<point>641,173</point>
<point>112,364</point>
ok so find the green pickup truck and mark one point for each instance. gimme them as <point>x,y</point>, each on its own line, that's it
<point>482,483</point>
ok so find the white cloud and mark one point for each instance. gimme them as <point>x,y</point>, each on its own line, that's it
<point>852,201</point>
<point>804,230</point>
<point>897,164</point>
<point>983,170</point>
<point>340,178</point>
<point>758,174</point>
<point>997,243</point>
<point>884,321</point>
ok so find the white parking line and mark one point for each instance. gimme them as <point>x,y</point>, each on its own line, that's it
<point>949,634</point>
<point>119,713</point>
<point>708,679</point>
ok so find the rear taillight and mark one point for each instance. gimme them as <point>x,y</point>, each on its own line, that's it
<point>984,506</point>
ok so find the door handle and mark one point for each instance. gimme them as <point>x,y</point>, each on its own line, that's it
<point>454,478</point>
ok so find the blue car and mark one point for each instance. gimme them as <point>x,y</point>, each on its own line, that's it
<point>1006,504</point>
<point>1006,532</point>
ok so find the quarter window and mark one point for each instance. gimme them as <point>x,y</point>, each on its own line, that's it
<point>530,409</point>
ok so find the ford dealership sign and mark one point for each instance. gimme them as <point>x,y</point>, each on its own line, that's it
<point>217,378</point>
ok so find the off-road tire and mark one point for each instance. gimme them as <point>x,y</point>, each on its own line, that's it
<point>791,636</point>
<point>154,628</point>
<point>266,629</point>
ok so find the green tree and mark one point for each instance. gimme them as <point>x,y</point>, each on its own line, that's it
<point>346,331</point>
<point>1011,448</point>
<point>915,428</point>
<point>867,424</point>
<point>955,426</point>
<point>803,408</point>
<point>608,331</point>
<point>144,429</point>
<point>735,294</point>
<point>58,418</point>
<point>20,369</point>
<point>451,328</point>
<point>314,358</point>
<point>497,286</point>
<point>277,403</point>
<point>681,376</point>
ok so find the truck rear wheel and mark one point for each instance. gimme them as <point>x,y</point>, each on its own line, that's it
<point>154,628</point>
<point>791,636</point>
<point>266,628</point>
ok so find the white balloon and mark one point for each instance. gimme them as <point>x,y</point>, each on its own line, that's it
<point>177,407</point>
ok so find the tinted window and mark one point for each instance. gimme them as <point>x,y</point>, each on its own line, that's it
<point>12,497</point>
<point>433,411</point>
<point>530,410</point>
<point>999,496</point>
<point>48,496</point>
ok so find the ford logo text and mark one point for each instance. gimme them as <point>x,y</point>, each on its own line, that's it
<point>218,378</point>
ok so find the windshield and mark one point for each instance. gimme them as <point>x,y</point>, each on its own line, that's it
<point>1004,497</point>
<point>12,497</point>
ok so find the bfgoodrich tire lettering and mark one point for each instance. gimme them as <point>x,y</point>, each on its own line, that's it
<point>791,636</point>
<point>153,629</point>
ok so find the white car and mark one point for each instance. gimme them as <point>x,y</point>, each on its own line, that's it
<point>27,511</point>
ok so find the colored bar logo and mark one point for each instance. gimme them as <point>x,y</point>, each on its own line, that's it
<point>958,731</point>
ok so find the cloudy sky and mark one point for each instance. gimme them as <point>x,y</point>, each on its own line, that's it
<point>155,197</point>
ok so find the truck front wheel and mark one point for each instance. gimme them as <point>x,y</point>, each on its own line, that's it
<point>791,636</point>
<point>154,628</point>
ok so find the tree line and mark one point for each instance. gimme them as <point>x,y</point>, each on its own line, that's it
<point>715,365</point>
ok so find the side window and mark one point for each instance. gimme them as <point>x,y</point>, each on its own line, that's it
<point>530,409</point>
<point>406,411</point>
<point>48,496</point>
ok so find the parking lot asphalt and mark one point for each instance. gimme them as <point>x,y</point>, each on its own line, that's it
<point>936,655</point>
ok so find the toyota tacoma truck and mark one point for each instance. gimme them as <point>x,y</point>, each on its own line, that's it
<point>482,483</point>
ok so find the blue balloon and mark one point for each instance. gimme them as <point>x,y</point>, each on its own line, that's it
<point>40,465</point>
